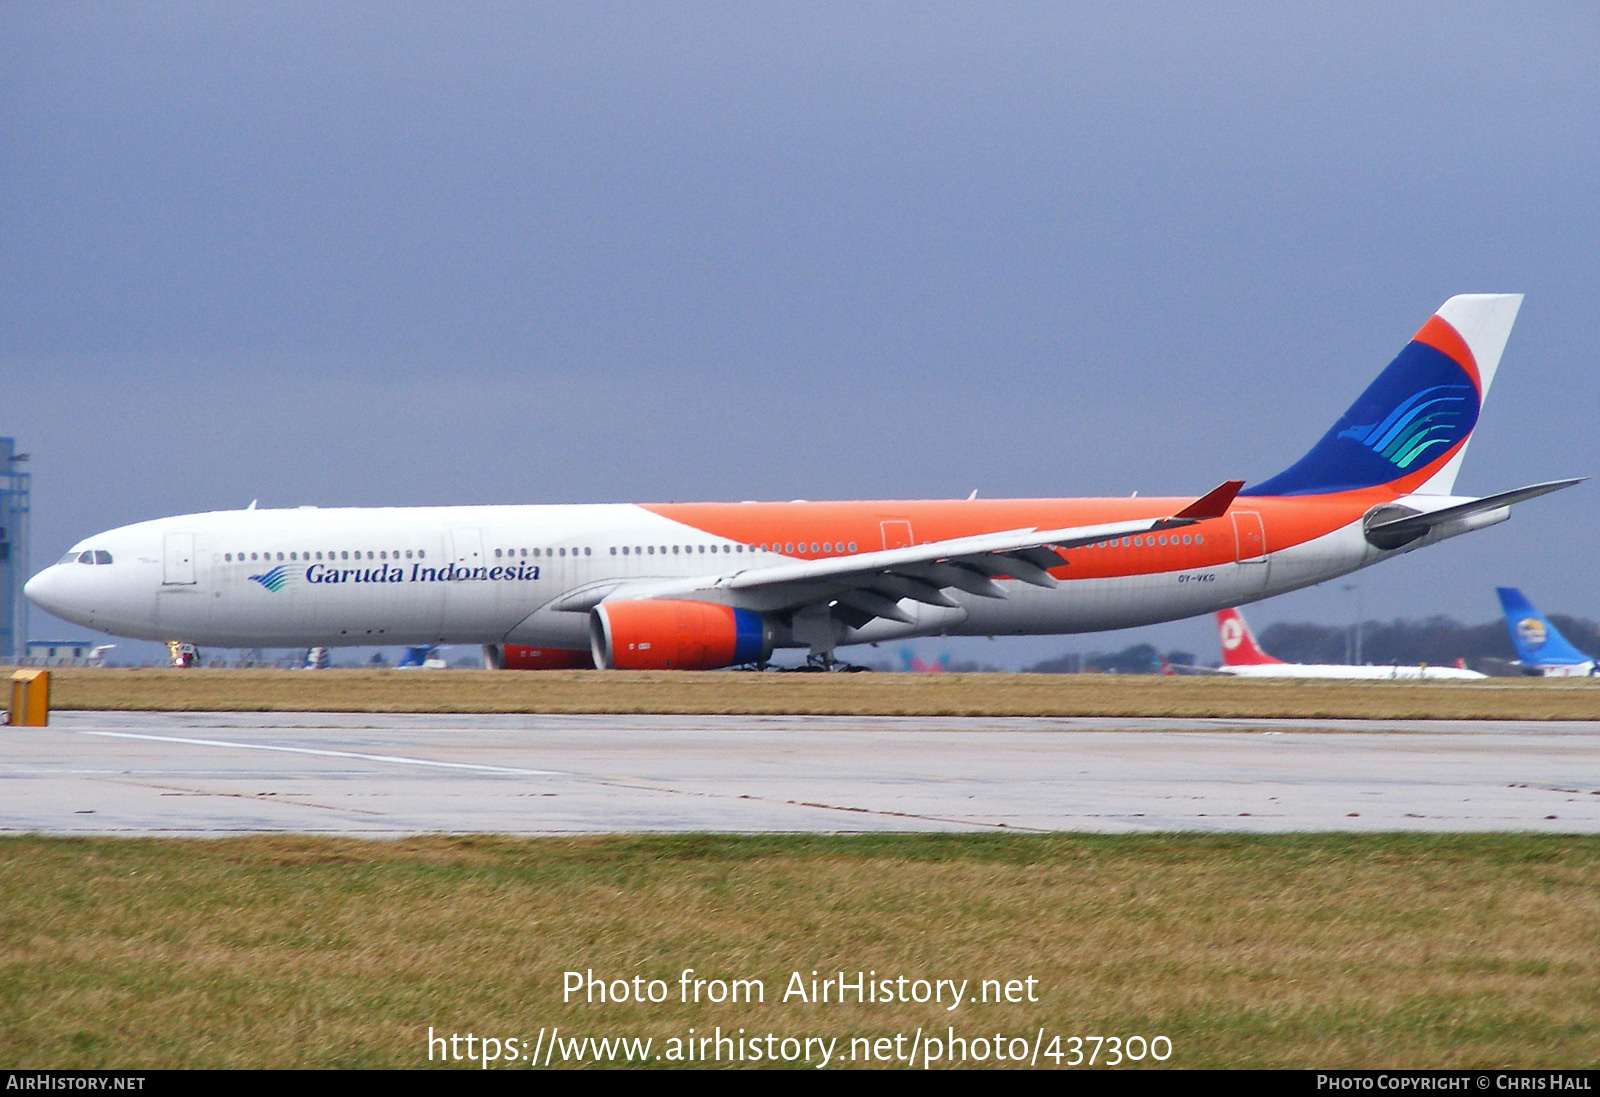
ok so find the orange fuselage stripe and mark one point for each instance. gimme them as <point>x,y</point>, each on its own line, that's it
<point>1286,522</point>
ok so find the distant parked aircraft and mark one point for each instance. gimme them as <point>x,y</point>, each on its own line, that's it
<point>1541,649</point>
<point>1242,656</point>
<point>421,657</point>
<point>911,661</point>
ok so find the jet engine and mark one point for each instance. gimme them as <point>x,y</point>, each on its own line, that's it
<point>517,657</point>
<point>675,635</point>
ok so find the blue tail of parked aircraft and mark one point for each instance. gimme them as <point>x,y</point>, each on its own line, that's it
<point>1541,649</point>
<point>422,657</point>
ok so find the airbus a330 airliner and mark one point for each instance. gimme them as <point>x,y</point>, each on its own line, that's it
<point>709,585</point>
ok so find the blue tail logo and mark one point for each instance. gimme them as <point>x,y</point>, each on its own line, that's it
<point>1431,418</point>
<point>1418,411</point>
<point>274,580</point>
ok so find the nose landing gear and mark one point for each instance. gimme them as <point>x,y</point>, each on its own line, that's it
<point>183,655</point>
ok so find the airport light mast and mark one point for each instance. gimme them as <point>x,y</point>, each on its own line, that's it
<point>15,507</point>
<point>1355,588</point>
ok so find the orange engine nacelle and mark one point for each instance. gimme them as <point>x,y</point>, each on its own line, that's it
<point>670,635</point>
<point>517,657</point>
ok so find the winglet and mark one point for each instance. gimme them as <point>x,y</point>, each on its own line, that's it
<point>1213,504</point>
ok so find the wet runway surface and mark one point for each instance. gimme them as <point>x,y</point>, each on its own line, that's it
<point>213,774</point>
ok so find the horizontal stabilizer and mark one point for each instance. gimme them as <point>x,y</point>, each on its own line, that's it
<point>1394,532</point>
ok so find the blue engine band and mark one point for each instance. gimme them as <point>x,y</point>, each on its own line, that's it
<point>749,645</point>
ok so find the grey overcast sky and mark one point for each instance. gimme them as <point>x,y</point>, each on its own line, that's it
<point>367,254</point>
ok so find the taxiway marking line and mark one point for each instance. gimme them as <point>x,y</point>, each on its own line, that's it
<point>395,759</point>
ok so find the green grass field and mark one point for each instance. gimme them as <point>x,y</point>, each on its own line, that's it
<point>1312,951</point>
<point>1322,951</point>
<point>819,694</point>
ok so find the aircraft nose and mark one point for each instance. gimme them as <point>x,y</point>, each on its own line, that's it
<point>46,590</point>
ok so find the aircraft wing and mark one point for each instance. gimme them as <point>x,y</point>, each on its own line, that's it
<point>862,586</point>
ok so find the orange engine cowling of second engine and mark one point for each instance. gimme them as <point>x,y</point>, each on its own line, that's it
<point>517,657</point>
<point>675,635</point>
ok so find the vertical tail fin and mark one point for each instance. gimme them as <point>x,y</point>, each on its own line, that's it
<point>1239,647</point>
<point>1409,430</point>
<point>1538,642</point>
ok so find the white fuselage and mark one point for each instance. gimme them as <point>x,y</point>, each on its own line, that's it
<point>527,575</point>
<point>1337,670</point>
<point>1586,669</point>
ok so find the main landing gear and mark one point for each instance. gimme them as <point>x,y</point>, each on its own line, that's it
<point>824,663</point>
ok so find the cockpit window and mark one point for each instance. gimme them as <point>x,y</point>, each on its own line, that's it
<point>85,557</point>
<point>101,556</point>
<point>68,558</point>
